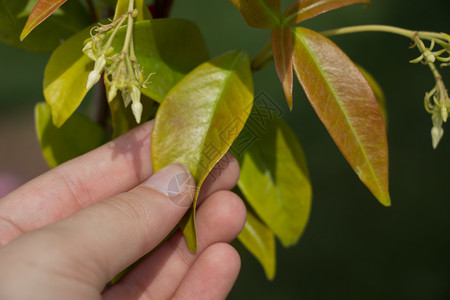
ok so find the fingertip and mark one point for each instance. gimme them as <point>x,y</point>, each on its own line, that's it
<point>222,215</point>
<point>224,176</point>
<point>174,181</point>
<point>213,274</point>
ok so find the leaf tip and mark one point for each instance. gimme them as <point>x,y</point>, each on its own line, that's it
<point>385,200</point>
<point>24,34</point>
<point>290,103</point>
<point>192,246</point>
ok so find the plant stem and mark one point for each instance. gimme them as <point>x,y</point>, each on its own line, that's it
<point>100,110</point>
<point>92,11</point>
<point>389,29</point>
<point>263,57</point>
<point>126,44</point>
<point>366,28</point>
<point>162,8</point>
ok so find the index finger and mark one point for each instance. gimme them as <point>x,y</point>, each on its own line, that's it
<point>113,168</point>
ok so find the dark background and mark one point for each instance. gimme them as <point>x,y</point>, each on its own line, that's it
<point>353,247</point>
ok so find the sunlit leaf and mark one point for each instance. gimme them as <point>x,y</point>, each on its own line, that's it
<point>65,22</point>
<point>377,91</point>
<point>140,5</point>
<point>302,10</point>
<point>200,118</point>
<point>157,46</point>
<point>76,137</point>
<point>274,177</point>
<point>260,241</point>
<point>346,105</point>
<point>41,11</point>
<point>65,77</point>
<point>259,13</point>
<point>282,55</point>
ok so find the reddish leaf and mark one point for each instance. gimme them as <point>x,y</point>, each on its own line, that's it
<point>282,54</point>
<point>259,13</point>
<point>346,105</point>
<point>302,10</point>
<point>42,10</point>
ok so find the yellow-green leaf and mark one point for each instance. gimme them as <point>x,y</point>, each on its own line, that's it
<point>346,105</point>
<point>65,77</point>
<point>260,241</point>
<point>259,13</point>
<point>42,10</point>
<point>76,137</point>
<point>302,10</point>
<point>274,178</point>
<point>282,55</point>
<point>199,119</point>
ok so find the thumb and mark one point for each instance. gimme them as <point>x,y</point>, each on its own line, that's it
<point>98,242</point>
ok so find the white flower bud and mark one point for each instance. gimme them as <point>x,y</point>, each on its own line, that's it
<point>87,50</point>
<point>112,93</point>
<point>136,108</point>
<point>94,76</point>
<point>444,113</point>
<point>436,135</point>
<point>135,93</point>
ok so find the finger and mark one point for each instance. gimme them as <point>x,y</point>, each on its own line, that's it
<point>220,219</point>
<point>116,167</point>
<point>213,274</point>
<point>224,176</point>
<point>91,247</point>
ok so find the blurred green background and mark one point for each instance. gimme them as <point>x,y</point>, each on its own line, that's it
<point>353,248</point>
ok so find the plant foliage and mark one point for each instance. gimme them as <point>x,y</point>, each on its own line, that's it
<point>142,65</point>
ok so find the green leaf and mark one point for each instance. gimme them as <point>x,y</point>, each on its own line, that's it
<point>260,241</point>
<point>157,46</point>
<point>282,55</point>
<point>40,12</point>
<point>302,10</point>
<point>346,105</point>
<point>199,119</point>
<point>65,77</point>
<point>6,13</point>
<point>377,91</point>
<point>259,13</point>
<point>274,177</point>
<point>76,137</point>
<point>140,5</point>
<point>65,22</point>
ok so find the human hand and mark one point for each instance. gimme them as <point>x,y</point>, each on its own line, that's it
<point>65,234</point>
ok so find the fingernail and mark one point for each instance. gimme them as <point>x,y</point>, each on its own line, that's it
<point>176,182</point>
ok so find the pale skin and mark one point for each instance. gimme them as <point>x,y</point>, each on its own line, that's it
<point>65,234</point>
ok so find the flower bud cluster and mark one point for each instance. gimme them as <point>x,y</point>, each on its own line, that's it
<point>437,102</point>
<point>121,71</point>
